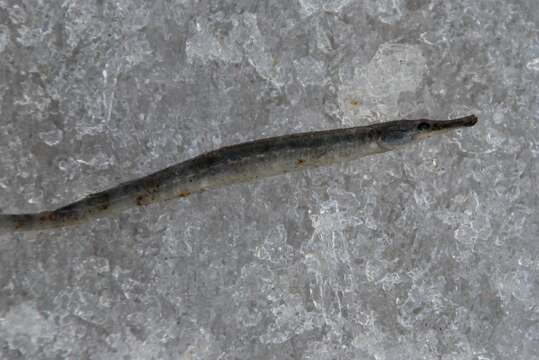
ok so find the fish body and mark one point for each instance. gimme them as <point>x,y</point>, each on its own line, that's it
<point>236,164</point>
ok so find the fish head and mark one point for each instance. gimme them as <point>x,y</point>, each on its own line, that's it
<point>404,132</point>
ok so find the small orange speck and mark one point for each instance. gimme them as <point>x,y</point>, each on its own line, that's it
<point>184,194</point>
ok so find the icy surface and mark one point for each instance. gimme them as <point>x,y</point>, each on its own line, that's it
<point>427,253</point>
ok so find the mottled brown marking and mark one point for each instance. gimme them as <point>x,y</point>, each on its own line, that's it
<point>300,162</point>
<point>184,194</point>
<point>140,200</point>
<point>355,103</point>
<point>105,206</point>
<point>53,216</point>
<point>152,184</point>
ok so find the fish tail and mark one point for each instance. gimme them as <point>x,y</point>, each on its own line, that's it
<point>14,223</point>
<point>72,214</point>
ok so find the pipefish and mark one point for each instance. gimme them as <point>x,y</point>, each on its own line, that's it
<point>239,163</point>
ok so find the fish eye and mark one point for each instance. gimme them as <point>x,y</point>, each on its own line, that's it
<point>423,126</point>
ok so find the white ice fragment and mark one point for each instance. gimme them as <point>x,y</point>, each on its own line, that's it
<point>93,264</point>
<point>87,305</point>
<point>310,71</point>
<point>4,37</point>
<point>257,53</point>
<point>17,14</point>
<point>498,117</point>
<point>139,51</point>
<point>203,45</point>
<point>274,248</point>
<point>494,138</point>
<point>52,137</point>
<point>35,197</point>
<point>25,329</point>
<point>375,88</point>
<point>395,68</point>
<point>310,7</point>
<point>93,125</point>
<point>387,11</point>
<point>533,64</point>
<point>201,347</point>
<point>389,281</point>
<point>100,161</point>
<point>289,321</point>
<point>517,284</point>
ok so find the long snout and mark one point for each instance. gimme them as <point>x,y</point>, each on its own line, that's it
<point>446,125</point>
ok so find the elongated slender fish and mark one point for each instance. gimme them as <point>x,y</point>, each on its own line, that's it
<point>239,163</point>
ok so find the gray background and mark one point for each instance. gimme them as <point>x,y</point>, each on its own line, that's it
<point>426,253</point>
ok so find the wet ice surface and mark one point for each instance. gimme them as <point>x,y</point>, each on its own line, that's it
<point>427,253</point>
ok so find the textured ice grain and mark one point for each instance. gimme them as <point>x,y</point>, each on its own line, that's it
<point>426,253</point>
<point>375,89</point>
